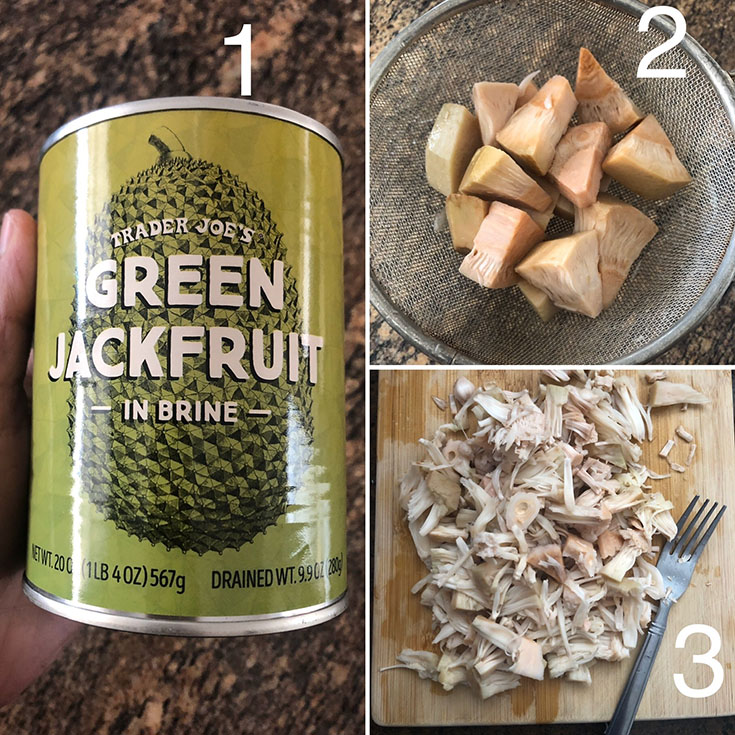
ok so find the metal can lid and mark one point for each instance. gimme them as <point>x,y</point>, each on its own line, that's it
<point>252,107</point>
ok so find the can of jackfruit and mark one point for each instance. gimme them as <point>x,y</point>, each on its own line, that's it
<point>188,391</point>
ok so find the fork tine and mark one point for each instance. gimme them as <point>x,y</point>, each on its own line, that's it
<point>683,519</point>
<point>694,539</point>
<point>684,536</point>
<point>700,546</point>
<point>668,546</point>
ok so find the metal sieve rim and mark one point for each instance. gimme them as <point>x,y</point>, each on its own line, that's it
<point>711,296</point>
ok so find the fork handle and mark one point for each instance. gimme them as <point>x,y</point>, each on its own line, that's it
<point>625,712</point>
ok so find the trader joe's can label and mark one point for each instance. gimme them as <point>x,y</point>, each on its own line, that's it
<point>188,412</point>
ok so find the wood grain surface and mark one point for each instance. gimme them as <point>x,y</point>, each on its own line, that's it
<point>405,413</point>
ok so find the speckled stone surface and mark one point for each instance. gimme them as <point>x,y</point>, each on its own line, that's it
<point>60,60</point>
<point>712,23</point>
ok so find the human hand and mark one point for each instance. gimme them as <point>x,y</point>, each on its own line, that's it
<point>30,638</point>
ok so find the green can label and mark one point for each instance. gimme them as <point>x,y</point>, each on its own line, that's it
<point>188,420</point>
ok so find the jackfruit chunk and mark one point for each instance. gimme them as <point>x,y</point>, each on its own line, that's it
<point>645,161</point>
<point>494,104</point>
<point>623,232</point>
<point>533,131</point>
<point>601,98</point>
<point>452,141</point>
<point>504,237</point>
<point>564,208</point>
<point>577,166</point>
<point>566,271</point>
<point>465,215</point>
<point>493,174</point>
<point>543,217</point>
<point>541,303</point>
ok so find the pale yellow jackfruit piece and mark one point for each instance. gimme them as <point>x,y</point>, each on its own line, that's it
<point>504,237</point>
<point>601,98</point>
<point>577,166</point>
<point>645,161</point>
<point>623,231</point>
<point>541,303</point>
<point>493,174</point>
<point>664,393</point>
<point>583,553</point>
<point>564,208</point>
<point>484,574</point>
<point>452,141</point>
<point>529,660</point>
<point>445,489</point>
<point>548,559</point>
<point>465,214</point>
<point>494,103</point>
<point>521,510</point>
<point>533,131</point>
<point>543,217</point>
<point>461,601</point>
<point>566,271</point>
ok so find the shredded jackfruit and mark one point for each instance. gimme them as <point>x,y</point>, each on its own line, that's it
<point>534,519</point>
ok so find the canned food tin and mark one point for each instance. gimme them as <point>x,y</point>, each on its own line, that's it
<point>188,389</point>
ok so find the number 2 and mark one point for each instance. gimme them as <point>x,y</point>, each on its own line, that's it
<point>680,29</point>
<point>708,659</point>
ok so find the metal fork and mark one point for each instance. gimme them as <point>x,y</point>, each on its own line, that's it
<point>676,564</point>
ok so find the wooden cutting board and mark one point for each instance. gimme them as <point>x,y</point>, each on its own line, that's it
<point>405,413</point>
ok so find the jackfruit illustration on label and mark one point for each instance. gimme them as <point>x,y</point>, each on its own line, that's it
<point>190,378</point>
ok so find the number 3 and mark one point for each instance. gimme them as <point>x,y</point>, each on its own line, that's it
<point>708,659</point>
<point>680,29</point>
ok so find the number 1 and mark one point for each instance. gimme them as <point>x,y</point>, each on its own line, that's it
<point>243,39</point>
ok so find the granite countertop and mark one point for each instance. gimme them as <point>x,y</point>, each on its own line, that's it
<point>60,60</point>
<point>712,23</point>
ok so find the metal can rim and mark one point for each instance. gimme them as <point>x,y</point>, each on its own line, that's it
<point>159,104</point>
<point>202,626</point>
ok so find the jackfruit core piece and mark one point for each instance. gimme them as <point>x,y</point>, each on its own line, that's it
<point>566,271</point>
<point>645,161</point>
<point>541,303</point>
<point>493,174</point>
<point>623,231</point>
<point>601,98</point>
<point>494,103</point>
<point>504,237</point>
<point>452,141</point>
<point>533,131</point>
<point>465,214</point>
<point>577,166</point>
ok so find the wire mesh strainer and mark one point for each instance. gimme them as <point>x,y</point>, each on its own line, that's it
<point>681,274</point>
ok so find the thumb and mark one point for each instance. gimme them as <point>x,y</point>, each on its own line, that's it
<point>17,287</point>
<point>17,294</point>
